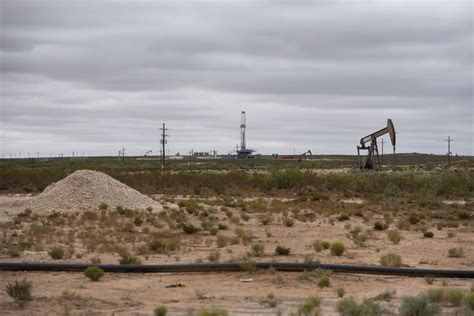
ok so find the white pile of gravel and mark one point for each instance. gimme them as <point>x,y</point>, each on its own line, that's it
<point>86,190</point>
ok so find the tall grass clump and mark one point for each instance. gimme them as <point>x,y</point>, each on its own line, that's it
<point>391,260</point>
<point>309,307</point>
<point>349,307</point>
<point>418,306</point>
<point>20,291</point>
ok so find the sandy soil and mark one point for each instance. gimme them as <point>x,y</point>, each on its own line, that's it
<point>139,294</point>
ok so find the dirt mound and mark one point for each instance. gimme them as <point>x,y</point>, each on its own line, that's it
<point>86,190</point>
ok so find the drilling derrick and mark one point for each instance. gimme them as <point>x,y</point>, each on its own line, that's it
<point>244,152</point>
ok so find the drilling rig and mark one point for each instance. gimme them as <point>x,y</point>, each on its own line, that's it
<point>369,143</point>
<point>244,152</point>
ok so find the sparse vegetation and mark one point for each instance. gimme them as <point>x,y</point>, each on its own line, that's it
<point>270,300</point>
<point>349,307</point>
<point>456,252</point>
<point>340,292</point>
<point>257,250</point>
<point>56,253</point>
<point>428,234</point>
<point>160,311</point>
<point>394,236</point>
<point>418,306</point>
<point>282,251</point>
<point>324,281</point>
<point>337,248</point>
<point>20,291</point>
<point>248,265</point>
<point>380,226</point>
<point>94,273</point>
<point>309,307</point>
<point>391,260</point>
<point>214,256</point>
<point>212,311</point>
<point>453,297</point>
<point>103,206</point>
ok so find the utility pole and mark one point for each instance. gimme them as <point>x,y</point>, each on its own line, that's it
<point>382,142</point>
<point>163,142</point>
<point>121,152</point>
<point>449,140</point>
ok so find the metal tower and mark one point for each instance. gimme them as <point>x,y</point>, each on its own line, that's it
<point>244,152</point>
<point>242,131</point>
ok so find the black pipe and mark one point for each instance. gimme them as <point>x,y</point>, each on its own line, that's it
<point>233,267</point>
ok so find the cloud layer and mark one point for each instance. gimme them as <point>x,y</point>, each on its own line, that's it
<point>91,77</point>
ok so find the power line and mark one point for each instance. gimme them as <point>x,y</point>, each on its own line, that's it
<point>449,140</point>
<point>163,142</point>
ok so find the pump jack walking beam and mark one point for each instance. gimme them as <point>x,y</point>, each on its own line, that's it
<point>369,143</point>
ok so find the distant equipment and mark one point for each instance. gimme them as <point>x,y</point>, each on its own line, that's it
<point>369,143</point>
<point>305,155</point>
<point>244,152</point>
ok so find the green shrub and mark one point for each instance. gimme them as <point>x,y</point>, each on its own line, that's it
<point>129,259</point>
<point>324,282</point>
<point>245,216</point>
<point>394,236</point>
<point>103,206</point>
<point>349,307</point>
<point>190,229</point>
<point>418,306</point>
<point>340,292</point>
<point>56,253</point>
<point>309,307</point>
<point>160,311</point>
<point>391,260</point>
<point>248,265</point>
<point>414,218</point>
<point>288,222</point>
<point>435,295</point>
<point>282,251</point>
<point>386,295</point>
<point>456,252</point>
<point>380,226</point>
<point>317,246</point>
<point>157,246</point>
<point>266,219</point>
<point>270,300</point>
<point>453,297</point>
<point>428,234</point>
<point>94,273</point>
<point>14,251</point>
<point>213,311</point>
<point>337,248</point>
<point>214,256</point>
<point>221,241</point>
<point>469,303</point>
<point>20,291</point>
<point>213,230</point>
<point>95,260</point>
<point>287,179</point>
<point>257,250</point>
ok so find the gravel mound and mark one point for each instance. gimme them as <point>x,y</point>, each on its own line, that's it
<point>86,190</point>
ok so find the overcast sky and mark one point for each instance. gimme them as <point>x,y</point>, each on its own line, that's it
<point>93,76</point>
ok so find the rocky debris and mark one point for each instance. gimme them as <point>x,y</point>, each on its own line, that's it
<point>86,190</point>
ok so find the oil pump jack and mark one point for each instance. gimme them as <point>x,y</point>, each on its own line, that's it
<point>369,143</point>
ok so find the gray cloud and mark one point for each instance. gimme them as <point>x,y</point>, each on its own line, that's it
<point>94,76</point>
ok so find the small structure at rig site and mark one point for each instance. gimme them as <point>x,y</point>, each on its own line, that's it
<point>244,152</point>
<point>369,143</point>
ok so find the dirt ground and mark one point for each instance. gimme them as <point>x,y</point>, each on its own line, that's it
<point>139,294</point>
